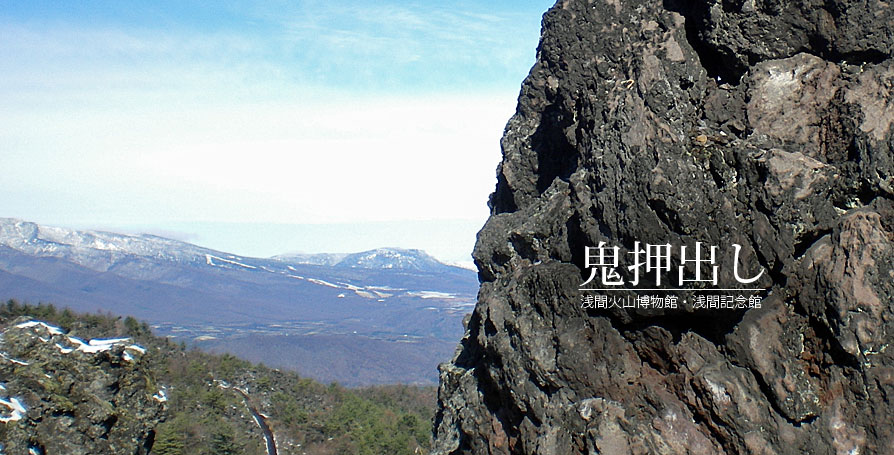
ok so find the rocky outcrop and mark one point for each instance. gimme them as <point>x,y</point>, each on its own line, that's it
<point>760,123</point>
<point>62,395</point>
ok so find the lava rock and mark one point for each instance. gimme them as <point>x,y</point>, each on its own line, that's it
<point>759,123</point>
<point>74,397</point>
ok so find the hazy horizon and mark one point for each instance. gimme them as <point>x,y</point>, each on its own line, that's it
<point>268,240</point>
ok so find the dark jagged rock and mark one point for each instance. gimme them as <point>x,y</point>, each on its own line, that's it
<point>762,123</point>
<point>61,395</point>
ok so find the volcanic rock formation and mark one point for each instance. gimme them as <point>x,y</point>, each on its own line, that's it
<point>63,395</point>
<point>760,123</point>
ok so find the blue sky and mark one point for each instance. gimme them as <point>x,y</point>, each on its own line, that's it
<point>261,127</point>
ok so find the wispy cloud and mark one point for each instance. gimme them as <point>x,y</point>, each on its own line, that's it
<point>472,47</point>
<point>354,47</point>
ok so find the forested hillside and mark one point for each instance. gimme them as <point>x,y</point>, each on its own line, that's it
<point>218,404</point>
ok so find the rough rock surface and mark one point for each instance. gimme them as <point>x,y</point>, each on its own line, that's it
<point>61,395</point>
<point>762,123</point>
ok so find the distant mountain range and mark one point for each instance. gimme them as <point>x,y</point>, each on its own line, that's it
<point>380,316</point>
<point>381,258</point>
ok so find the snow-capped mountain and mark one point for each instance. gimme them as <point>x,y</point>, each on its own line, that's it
<point>312,259</point>
<point>103,251</point>
<point>210,296</point>
<point>380,258</point>
<point>96,250</point>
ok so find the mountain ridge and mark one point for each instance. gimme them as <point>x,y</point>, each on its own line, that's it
<point>378,258</point>
<point>229,303</point>
<point>28,237</point>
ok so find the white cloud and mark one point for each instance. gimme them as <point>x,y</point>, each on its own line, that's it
<point>362,159</point>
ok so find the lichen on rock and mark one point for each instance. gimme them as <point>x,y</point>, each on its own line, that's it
<point>74,396</point>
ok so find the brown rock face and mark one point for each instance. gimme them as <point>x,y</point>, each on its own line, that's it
<point>761,123</point>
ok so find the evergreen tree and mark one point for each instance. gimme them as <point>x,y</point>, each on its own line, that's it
<point>223,441</point>
<point>169,440</point>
